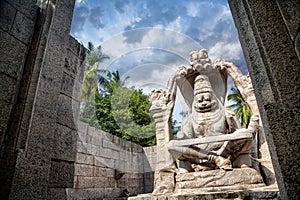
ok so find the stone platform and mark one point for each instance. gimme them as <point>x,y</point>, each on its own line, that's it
<point>215,180</point>
<point>270,194</point>
<point>217,184</point>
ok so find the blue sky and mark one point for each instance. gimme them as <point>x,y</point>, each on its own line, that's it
<point>148,39</point>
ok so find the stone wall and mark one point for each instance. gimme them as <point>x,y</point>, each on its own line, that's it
<point>149,168</point>
<point>106,166</point>
<point>41,70</point>
<point>270,36</point>
<point>17,23</point>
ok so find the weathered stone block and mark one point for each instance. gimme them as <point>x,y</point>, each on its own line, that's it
<point>12,55</point>
<point>121,166</point>
<point>74,46</point>
<point>128,146</point>
<point>109,153</point>
<point>67,85</point>
<point>107,136</point>
<point>104,162</point>
<point>112,192</point>
<point>88,193</point>
<point>82,137</point>
<point>68,111</point>
<point>84,170</point>
<point>81,147</point>
<point>135,190</point>
<point>30,181</point>
<point>84,159</point>
<point>66,142</point>
<point>137,148</point>
<point>121,183</point>
<point>57,193</point>
<point>218,178</point>
<point>111,145</point>
<point>71,65</point>
<point>77,88</point>
<point>104,172</point>
<point>40,146</point>
<point>291,14</point>
<point>27,7</point>
<point>4,117</point>
<point>95,150</point>
<point>8,89</point>
<point>82,127</point>
<point>85,182</point>
<point>23,28</point>
<point>125,155</point>
<point>94,182</point>
<point>255,195</point>
<point>7,14</point>
<point>94,136</point>
<point>61,174</point>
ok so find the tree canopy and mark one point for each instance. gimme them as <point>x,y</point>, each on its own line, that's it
<point>108,105</point>
<point>125,113</point>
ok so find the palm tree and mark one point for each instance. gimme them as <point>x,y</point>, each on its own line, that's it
<point>89,85</point>
<point>108,84</point>
<point>240,107</point>
<point>94,57</point>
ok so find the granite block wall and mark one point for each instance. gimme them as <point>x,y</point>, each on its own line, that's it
<point>17,25</point>
<point>150,161</point>
<point>41,69</point>
<point>106,166</point>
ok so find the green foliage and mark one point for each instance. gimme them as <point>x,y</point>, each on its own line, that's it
<point>117,110</point>
<point>110,81</point>
<point>240,107</point>
<point>125,113</point>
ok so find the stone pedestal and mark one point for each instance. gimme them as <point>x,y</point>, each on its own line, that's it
<point>217,184</point>
<point>218,180</point>
<point>268,193</point>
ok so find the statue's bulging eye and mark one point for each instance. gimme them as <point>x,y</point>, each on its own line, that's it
<point>207,98</point>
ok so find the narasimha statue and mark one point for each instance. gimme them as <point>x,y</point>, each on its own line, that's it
<point>211,136</point>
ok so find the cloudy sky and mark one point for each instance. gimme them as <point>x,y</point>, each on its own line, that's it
<point>148,39</point>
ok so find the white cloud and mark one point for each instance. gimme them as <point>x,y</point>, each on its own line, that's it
<point>176,25</point>
<point>166,40</point>
<point>226,50</point>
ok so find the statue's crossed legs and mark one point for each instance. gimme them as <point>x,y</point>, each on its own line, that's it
<point>233,153</point>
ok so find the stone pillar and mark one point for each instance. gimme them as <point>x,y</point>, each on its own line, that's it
<point>269,34</point>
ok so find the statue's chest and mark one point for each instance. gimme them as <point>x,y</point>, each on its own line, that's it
<point>209,126</point>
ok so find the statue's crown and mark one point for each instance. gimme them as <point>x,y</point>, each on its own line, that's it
<point>202,84</point>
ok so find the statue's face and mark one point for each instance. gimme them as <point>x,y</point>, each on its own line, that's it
<point>204,102</point>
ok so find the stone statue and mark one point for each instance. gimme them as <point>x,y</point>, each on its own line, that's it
<point>208,118</point>
<point>211,136</point>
